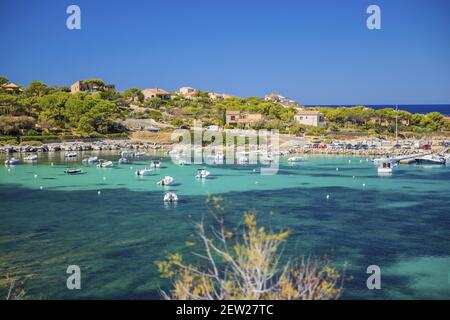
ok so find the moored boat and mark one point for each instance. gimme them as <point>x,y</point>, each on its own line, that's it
<point>126,153</point>
<point>385,167</point>
<point>12,161</point>
<point>90,160</point>
<point>31,157</point>
<point>431,159</point>
<point>202,174</point>
<point>166,181</point>
<point>71,155</point>
<point>140,154</point>
<point>123,161</point>
<point>144,172</point>
<point>73,171</point>
<point>105,164</point>
<point>295,159</point>
<point>170,197</point>
<point>155,164</point>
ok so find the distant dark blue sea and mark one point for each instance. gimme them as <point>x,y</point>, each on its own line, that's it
<point>416,108</point>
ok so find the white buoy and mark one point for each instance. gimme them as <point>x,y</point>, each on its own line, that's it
<point>41,187</point>
<point>328,196</point>
<point>349,161</point>
<point>364,184</point>
<point>35,176</point>
<point>51,164</point>
<point>337,169</point>
<point>353,177</point>
<point>99,192</point>
<point>104,178</point>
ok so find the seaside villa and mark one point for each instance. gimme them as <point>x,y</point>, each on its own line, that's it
<point>242,119</point>
<point>91,87</point>
<point>188,92</point>
<point>310,118</point>
<point>11,87</point>
<point>156,92</point>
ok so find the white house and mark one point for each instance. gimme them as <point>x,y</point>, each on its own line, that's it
<point>310,118</point>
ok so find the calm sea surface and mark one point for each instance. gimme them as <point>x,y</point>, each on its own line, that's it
<point>400,223</point>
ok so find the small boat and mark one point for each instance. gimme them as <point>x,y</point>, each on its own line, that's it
<point>105,164</point>
<point>431,159</point>
<point>31,157</point>
<point>140,154</point>
<point>378,161</point>
<point>385,167</point>
<point>144,172</point>
<point>126,153</point>
<point>202,174</point>
<point>295,159</point>
<point>166,181</point>
<point>123,161</point>
<point>12,161</point>
<point>156,164</point>
<point>242,160</point>
<point>90,160</point>
<point>71,155</point>
<point>73,171</point>
<point>170,197</point>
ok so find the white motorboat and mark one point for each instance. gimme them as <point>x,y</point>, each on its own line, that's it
<point>31,157</point>
<point>140,154</point>
<point>156,164</point>
<point>295,159</point>
<point>71,155</point>
<point>126,153</point>
<point>123,161</point>
<point>242,160</point>
<point>170,197</point>
<point>166,181</point>
<point>202,174</point>
<point>378,161</point>
<point>385,167</point>
<point>90,160</point>
<point>12,161</point>
<point>431,159</point>
<point>144,172</point>
<point>105,164</point>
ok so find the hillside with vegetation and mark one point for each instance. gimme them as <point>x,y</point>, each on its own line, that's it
<point>39,111</point>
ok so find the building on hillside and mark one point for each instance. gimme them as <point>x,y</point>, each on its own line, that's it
<point>242,119</point>
<point>11,87</point>
<point>156,92</point>
<point>91,87</point>
<point>188,92</point>
<point>275,97</point>
<point>215,96</point>
<point>310,118</point>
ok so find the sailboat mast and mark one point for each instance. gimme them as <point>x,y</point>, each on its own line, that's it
<point>396,124</point>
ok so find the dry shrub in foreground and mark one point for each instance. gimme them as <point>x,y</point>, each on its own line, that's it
<point>246,265</point>
<point>14,289</point>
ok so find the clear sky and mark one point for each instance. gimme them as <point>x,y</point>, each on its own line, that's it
<point>315,51</point>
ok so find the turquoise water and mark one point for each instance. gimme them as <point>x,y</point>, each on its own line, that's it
<point>400,223</point>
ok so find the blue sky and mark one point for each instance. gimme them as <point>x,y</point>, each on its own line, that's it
<point>317,52</point>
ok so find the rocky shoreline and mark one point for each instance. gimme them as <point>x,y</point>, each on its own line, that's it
<point>81,146</point>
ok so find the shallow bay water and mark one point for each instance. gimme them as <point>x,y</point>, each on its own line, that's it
<point>400,223</point>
